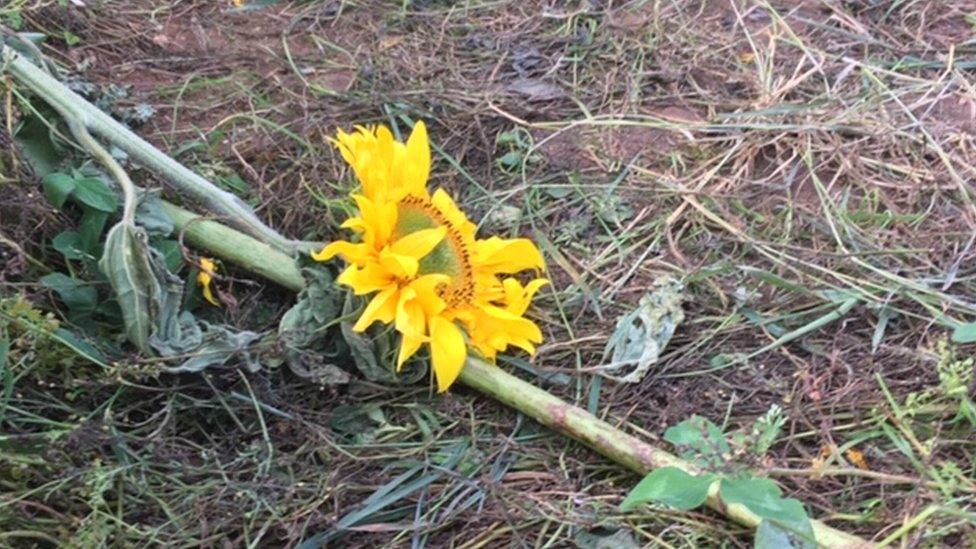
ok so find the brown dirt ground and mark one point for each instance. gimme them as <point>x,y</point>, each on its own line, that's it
<point>693,80</point>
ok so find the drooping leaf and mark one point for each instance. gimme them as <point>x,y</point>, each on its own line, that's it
<point>80,345</point>
<point>202,345</point>
<point>93,192</point>
<point>57,188</point>
<point>126,264</point>
<point>670,486</point>
<point>172,254</point>
<point>642,334</point>
<point>150,298</point>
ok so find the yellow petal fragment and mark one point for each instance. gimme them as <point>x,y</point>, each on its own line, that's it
<point>447,351</point>
<point>205,278</point>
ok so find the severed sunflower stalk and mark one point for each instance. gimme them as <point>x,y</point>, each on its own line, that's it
<point>418,256</point>
<point>468,294</point>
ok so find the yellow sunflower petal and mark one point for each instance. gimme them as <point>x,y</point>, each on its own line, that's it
<point>365,280</point>
<point>502,255</point>
<point>408,347</point>
<point>517,297</point>
<point>427,295</point>
<point>418,160</point>
<point>358,254</point>
<point>381,308</point>
<point>419,243</point>
<point>410,318</point>
<point>399,266</point>
<point>446,206</point>
<point>447,351</point>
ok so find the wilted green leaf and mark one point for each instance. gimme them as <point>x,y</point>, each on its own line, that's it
<point>150,298</point>
<point>57,188</point>
<point>307,331</point>
<point>172,254</point>
<point>126,263</point>
<point>201,344</point>
<point>93,192</point>
<point>641,335</point>
<point>670,486</point>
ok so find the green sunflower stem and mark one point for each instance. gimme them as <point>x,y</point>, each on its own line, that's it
<point>547,409</point>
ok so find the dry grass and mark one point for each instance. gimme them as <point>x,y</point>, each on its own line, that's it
<point>781,157</point>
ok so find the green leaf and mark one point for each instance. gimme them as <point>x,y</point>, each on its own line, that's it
<point>670,486</point>
<point>127,266</point>
<point>964,333</point>
<point>79,296</point>
<point>150,299</point>
<point>152,216</point>
<point>510,159</point>
<point>172,254</point>
<point>92,226</point>
<point>69,244</point>
<point>308,330</point>
<point>699,438</point>
<point>57,188</point>
<point>93,192</point>
<point>40,151</point>
<point>771,535</point>
<point>764,498</point>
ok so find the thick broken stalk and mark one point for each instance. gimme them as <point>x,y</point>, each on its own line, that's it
<point>267,253</point>
<point>75,109</point>
<point>624,449</point>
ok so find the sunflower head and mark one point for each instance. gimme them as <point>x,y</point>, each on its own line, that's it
<point>417,255</point>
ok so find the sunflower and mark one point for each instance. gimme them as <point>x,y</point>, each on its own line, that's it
<point>417,254</point>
